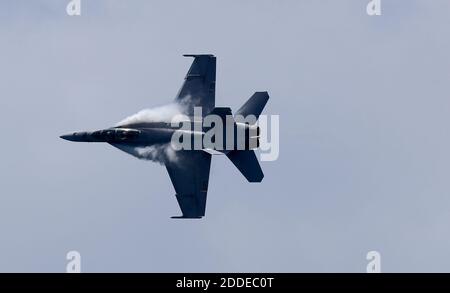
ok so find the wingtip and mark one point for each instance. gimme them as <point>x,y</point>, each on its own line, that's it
<point>183,217</point>
<point>198,55</point>
<point>265,93</point>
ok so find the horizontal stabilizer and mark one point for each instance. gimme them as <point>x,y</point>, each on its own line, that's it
<point>254,105</point>
<point>248,164</point>
<point>221,111</point>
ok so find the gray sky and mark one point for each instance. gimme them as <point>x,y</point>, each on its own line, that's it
<point>364,114</point>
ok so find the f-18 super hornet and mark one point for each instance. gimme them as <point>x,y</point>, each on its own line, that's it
<point>189,171</point>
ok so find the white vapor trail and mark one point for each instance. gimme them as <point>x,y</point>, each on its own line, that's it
<point>163,113</point>
<point>161,153</point>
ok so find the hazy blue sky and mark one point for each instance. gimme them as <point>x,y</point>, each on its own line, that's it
<point>364,111</point>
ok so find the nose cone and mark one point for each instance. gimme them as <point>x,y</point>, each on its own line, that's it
<point>77,136</point>
<point>70,137</point>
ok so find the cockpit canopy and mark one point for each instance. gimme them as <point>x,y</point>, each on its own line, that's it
<point>115,134</point>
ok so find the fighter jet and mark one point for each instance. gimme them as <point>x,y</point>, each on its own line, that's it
<point>189,171</point>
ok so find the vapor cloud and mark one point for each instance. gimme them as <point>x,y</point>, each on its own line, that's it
<point>163,113</point>
<point>161,153</point>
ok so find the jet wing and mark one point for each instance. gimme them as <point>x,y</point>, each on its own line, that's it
<point>189,174</point>
<point>198,89</point>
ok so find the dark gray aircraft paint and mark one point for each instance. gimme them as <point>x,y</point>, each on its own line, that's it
<point>189,173</point>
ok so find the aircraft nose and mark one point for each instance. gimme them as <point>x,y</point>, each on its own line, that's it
<point>67,137</point>
<point>82,136</point>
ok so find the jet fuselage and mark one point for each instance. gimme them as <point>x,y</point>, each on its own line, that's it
<point>155,133</point>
